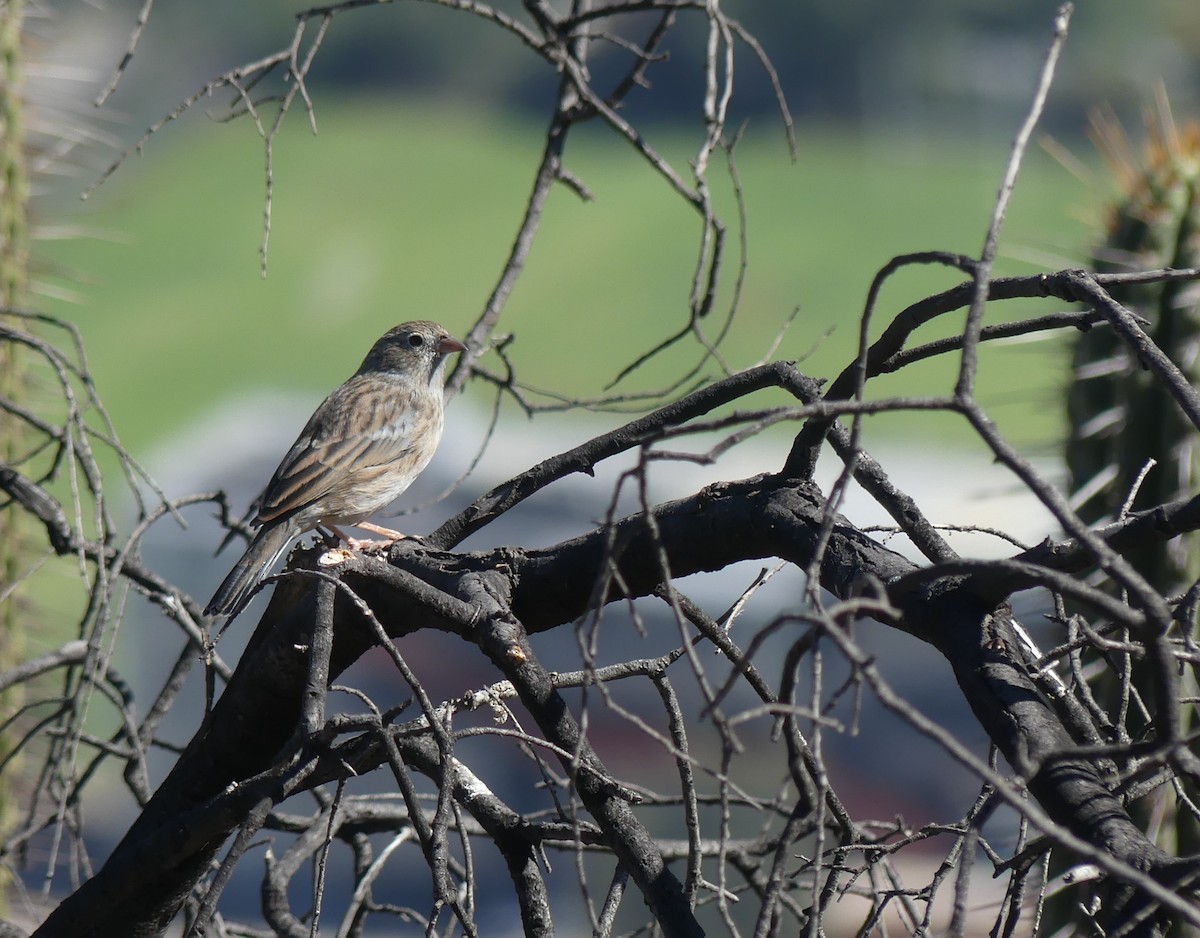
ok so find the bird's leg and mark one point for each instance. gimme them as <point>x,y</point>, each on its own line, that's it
<point>361,544</point>
<point>381,531</point>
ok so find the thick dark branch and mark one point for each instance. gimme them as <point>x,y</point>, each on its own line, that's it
<point>257,715</point>
<point>722,524</point>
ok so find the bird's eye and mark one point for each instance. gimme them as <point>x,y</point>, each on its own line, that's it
<point>415,340</point>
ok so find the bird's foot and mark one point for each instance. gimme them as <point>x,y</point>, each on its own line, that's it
<point>371,545</point>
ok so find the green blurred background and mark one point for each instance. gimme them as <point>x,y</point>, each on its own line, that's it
<point>430,127</point>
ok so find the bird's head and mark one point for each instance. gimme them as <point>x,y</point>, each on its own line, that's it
<point>419,349</point>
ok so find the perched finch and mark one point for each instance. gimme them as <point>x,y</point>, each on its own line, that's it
<point>362,447</point>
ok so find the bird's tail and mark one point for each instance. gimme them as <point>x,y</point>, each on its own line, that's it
<point>254,564</point>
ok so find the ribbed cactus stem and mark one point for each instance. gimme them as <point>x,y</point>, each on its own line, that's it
<point>14,218</point>
<point>14,191</point>
<point>14,279</point>
<point>1120,417</point>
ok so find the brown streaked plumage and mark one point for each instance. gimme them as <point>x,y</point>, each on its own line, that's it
<point>358,452</point>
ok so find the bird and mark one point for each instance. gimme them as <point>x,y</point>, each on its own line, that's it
<point>362,447</point>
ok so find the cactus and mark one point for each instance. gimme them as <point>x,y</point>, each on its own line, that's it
<point>1119,417</point>
<point>14,278</point>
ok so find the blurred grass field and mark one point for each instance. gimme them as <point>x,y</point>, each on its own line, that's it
<point>402,210</point>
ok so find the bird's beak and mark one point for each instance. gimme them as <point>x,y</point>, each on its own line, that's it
<point>450,344</point>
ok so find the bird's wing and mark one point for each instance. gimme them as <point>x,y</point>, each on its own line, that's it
<point>359,428</point>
